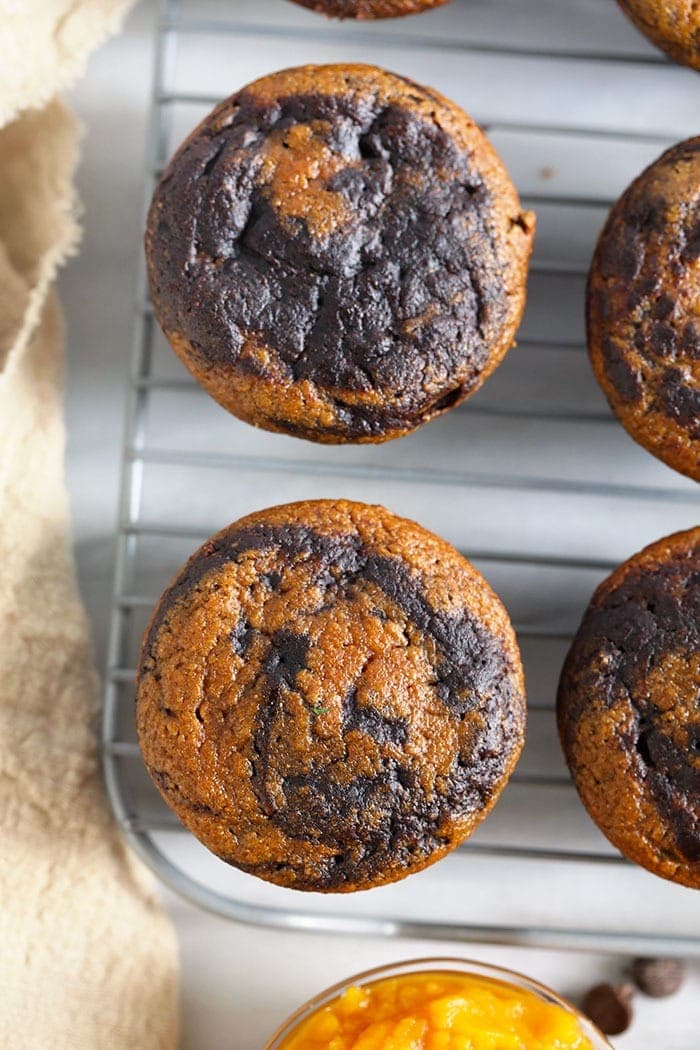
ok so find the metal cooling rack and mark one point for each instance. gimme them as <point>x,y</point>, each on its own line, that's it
<point>533,478</point>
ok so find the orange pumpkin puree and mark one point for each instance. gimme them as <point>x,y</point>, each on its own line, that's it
<point>438,1011</point>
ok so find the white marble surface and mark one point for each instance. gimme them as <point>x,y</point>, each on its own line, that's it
<point>237,982</point>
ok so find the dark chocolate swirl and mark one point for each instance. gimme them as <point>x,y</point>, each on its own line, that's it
<point>335,252</point>
<point>629,707</point>
<point>344,725</point>
<point>644,290</point>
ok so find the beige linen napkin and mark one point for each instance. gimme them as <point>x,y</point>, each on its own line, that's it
<point>44,45</point>
<point>88,959</point>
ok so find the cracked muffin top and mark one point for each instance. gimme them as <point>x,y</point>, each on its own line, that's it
<point>329,696</point>
<point>629,708</point>
<point>644,308</point>
<point>673,25</point>
<point>370,8</point>
<point>338,254</point>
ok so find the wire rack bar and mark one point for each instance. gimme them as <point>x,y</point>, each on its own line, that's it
<point>530,199</point>
<point>417,475</point>
<point>497,557</point>
<point>492,125</point>
<point>398,40</point>
<point>566,938</point>
<point>567,415</point>
<point>170,824</point>
<point>120,754</point>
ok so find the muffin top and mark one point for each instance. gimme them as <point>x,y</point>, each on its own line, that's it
<point>338,253</point>
<point>673,25</point>
<point>629,708</point>
<point>644,308</point>
<point>370,8</point>
<point>329,696</point>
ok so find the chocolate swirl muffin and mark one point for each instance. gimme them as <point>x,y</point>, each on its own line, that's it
<point>673,25</point>
<point>644,308</point>
<point>629,708</point>
<point>338,254</point>
<point>370,8</point>
<point>330,697</point>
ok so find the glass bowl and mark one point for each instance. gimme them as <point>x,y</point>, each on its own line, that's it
<point>444,965</point>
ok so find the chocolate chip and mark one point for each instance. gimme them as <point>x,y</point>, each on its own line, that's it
<point>658,977</point>
<point>609,1007</point>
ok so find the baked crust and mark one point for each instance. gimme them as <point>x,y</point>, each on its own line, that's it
<point>629,708</point>
<point>643,308</point>
<point>673,25</point>
<point>369,9</point>
<point>338,254</point>
<point>330,697</point>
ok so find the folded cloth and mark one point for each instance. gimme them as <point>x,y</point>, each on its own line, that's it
<point>88,959</point>
<point>45,44</point>
<point>38,216</point>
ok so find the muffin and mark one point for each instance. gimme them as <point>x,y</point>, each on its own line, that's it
<point>644,308</point>
<point>673,25</point>
<point>329,697</point>
<point>338,254</point>
<point>629,708</point>
<point>370,8</point>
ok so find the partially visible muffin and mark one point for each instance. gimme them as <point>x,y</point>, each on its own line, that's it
<point>370,8</point>
<point>644,308</point>
<point>673,25</point>
<point>629,708</point>
<point>338,254</point>
<point>330,697</point>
